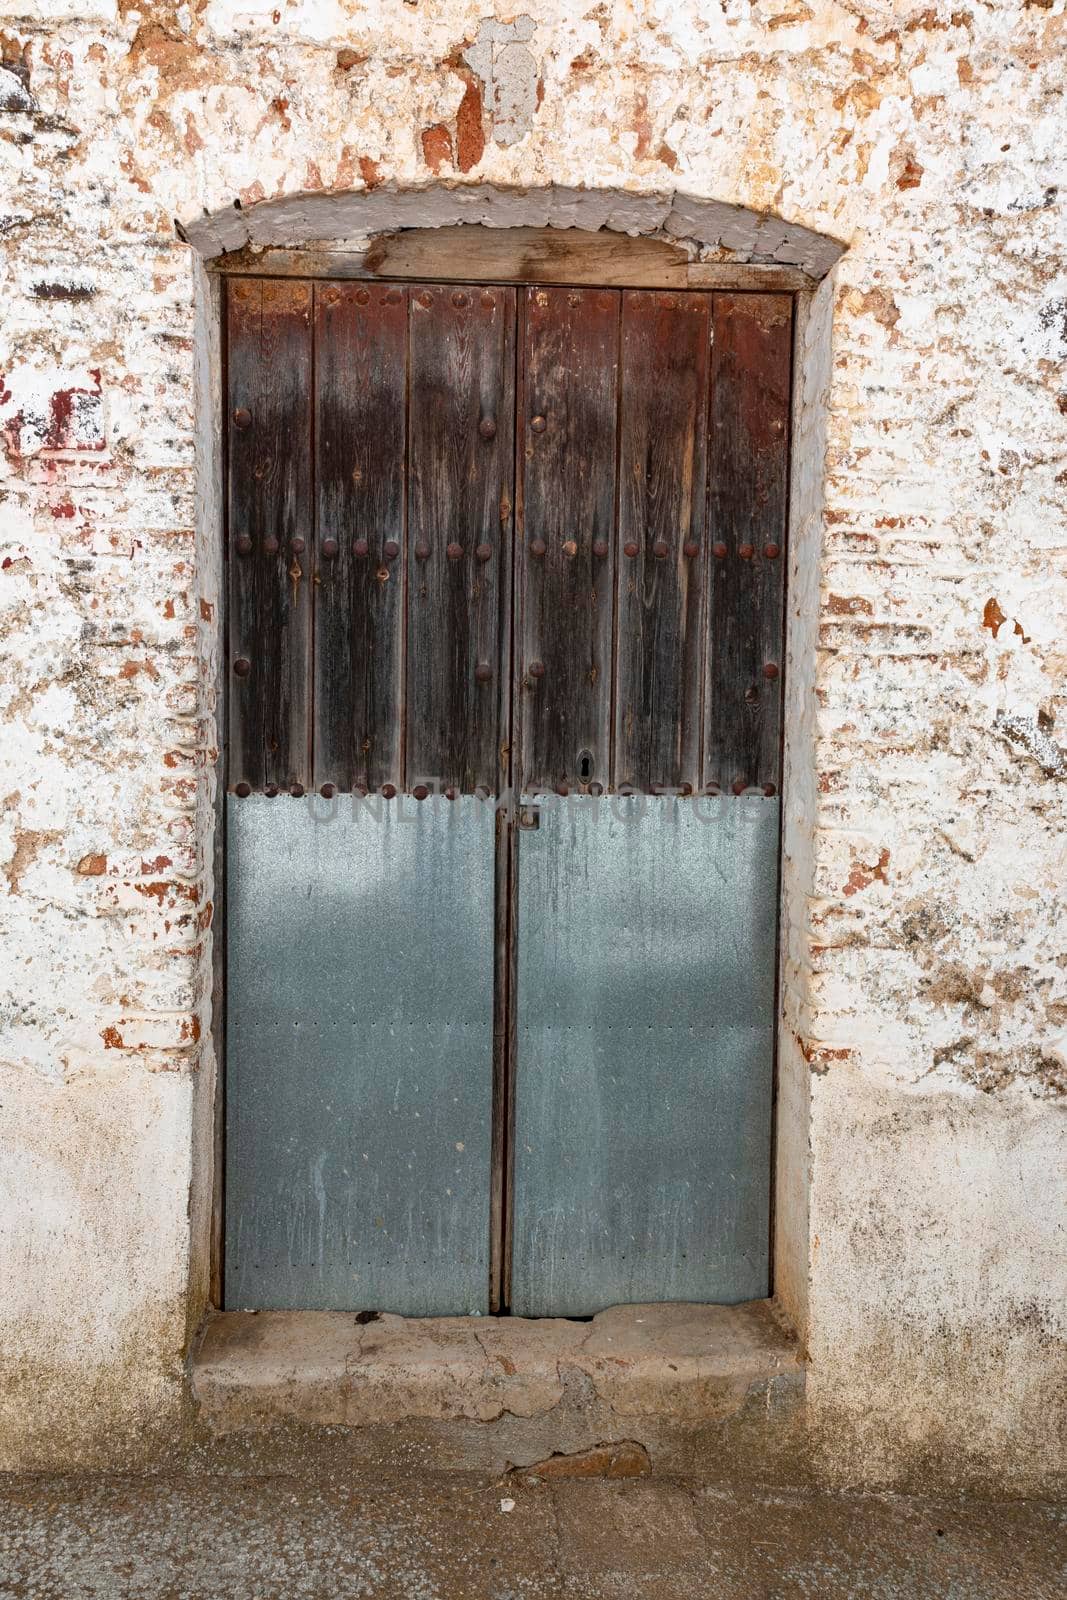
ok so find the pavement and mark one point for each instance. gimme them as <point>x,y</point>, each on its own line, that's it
<point>462,1538</point>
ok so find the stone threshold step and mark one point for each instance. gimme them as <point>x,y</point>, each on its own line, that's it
<point>494,1391</point>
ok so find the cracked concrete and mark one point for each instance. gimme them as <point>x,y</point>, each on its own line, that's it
<point>657,1375</point>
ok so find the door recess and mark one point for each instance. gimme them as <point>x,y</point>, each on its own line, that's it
<point>506,587</point>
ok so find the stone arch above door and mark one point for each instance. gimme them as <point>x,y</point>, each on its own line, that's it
<point>708,228</point>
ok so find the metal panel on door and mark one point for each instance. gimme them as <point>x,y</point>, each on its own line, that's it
<point>646,961</point>
<point>359,1054</point>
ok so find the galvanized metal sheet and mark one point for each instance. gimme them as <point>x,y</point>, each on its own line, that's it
<point>359,1054</point>
<point>646,957</point>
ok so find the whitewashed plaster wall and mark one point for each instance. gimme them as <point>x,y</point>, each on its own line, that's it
<point>924,992</point>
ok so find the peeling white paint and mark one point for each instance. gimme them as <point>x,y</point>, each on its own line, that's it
<point>924,993</point>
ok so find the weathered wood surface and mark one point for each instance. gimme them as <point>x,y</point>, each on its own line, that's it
<point>556,263</point>
<point>361,454</point>
<point>270,531</point>
<point>748,476</point>
<point>527,255</point>
<point>462,406</point>
<point>661,551</point>
<point>370,633</point>
<point>565,578</point>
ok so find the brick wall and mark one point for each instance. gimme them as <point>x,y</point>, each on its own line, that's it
<point>925,997</point>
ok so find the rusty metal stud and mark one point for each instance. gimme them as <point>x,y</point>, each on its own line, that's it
<point>451,793</point>
<point>390,550</point>
<point>770,670</point>
<point>536,669</point>
<point>483,672</point>
<point>537,424</point>
<point>242,667</point>
<point>712,789</point>
<point>270,545</point>
<point>360,547</point>
<point>359,790</point>
<point>426,298</point>
<point>739,786</point>
<point>297,546</point>
<point>691,548</point>
<point>771,551</point>
<point>483,552</point>
<point>487,428</point>
<point>570,549</point>
<point>769,790</point>
<point>328,791</point>
<point>563,789</point>
<point>420,791</point>
<point>243,544</point>
<point>630,549</point>
<point>242,789</point>
<point>271,791</point>
<point>242,417</point>
<point>627,790</point>
<point>388,791</point>
<point>660,548</point>
<point>422,550</point>
<point>719,550</point>
<point>297,791</point>
<point>330,548</point>
<point>453,551</point>
<point>538,547</point>
<point>596,788</point>
<point>600,548</point>
<point>745,551</point>
<point>362,297</point>
<point>459,298</point>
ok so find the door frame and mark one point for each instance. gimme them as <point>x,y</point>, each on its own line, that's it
<point>518,257</point>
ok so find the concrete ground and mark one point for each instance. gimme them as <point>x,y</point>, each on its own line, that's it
<point>456,1538</point>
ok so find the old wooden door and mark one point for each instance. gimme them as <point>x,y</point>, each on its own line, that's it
<point>505,630</point>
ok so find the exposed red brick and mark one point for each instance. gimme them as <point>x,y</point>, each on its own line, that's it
<point>470,135</point>
<point>992,617</point>
<point>368,171</point>
<point>436,146</point>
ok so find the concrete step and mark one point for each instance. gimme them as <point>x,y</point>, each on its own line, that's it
<point>493,1394</point>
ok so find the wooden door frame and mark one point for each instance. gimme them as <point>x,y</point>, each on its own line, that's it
<point>519,256</point>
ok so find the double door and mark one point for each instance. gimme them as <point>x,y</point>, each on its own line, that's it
<point>505,611</point>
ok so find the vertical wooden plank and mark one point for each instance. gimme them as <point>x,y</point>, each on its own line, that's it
<point>360,444</point>
<point>461,464</point>
<point>661,550</point>
<point>750,385</point>
<point>270,523</point>
<point>568,424</point>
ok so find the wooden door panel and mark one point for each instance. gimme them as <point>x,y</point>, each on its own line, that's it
<point>748,468</point>
<point>660,547</point>
<point>461,462</point>
<point>360,455</point>
<point>269,496</point>
<point>567,435</point>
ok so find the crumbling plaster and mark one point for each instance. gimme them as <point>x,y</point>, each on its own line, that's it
<point>923,990</point>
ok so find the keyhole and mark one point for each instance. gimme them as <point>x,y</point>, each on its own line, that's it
<point>585,765</point>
